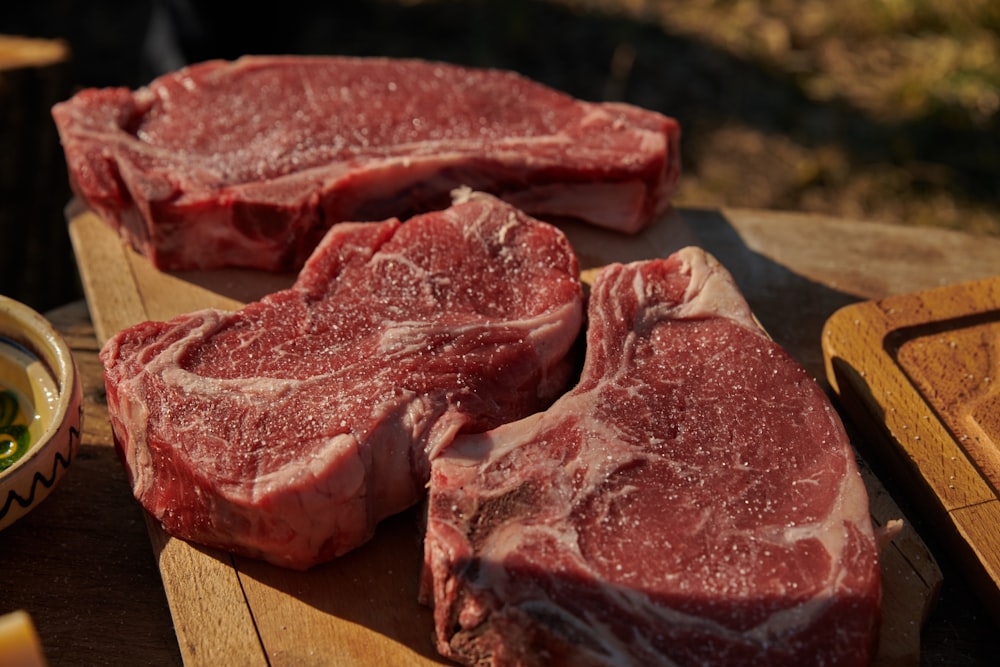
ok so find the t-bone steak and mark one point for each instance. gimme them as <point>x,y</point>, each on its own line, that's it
<point>248,162</point>
<point>286,430</point>
<point>694,500</point>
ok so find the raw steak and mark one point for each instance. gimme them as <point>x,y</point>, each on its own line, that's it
<point>693,501</point>
<point>286,430</point>
<point>247,163</point>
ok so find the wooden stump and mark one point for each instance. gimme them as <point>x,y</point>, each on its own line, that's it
<point>38,266</point>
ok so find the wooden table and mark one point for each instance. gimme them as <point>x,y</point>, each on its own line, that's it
<point>82,563</point>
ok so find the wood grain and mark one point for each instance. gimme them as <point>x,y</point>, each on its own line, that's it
<point>361,609</point>
<point>202,586</point>
<point>920,372</point>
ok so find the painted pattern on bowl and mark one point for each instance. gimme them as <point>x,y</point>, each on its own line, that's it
<point>39,370</point>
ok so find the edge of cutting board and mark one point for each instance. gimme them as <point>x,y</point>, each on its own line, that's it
<point>914,424</point>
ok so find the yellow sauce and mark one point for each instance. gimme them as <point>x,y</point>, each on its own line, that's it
<point>28,395</point>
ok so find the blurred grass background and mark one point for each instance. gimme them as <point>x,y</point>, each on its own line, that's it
<point>893,106</point>
<point>881,110</point>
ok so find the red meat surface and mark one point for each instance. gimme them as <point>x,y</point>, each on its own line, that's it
<point>249,162</point>
<point>285,431</point>
<point>693,501</point>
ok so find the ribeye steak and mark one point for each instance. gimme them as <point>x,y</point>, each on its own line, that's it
<point>248,162</point>
<point>694,500</point>
<point>286,430</point>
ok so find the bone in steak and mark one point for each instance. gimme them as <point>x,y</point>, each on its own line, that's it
<point>693,501</point>
<point>286,430</point>
<point>247,163</point>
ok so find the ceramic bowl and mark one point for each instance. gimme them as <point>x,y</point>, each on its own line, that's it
<point>40,409</point>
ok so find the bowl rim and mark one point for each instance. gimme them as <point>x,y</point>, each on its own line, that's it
<point>30,329</point>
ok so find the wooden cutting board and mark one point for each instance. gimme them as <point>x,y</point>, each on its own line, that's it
<point>920,372</point>
<point>361,609</point>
